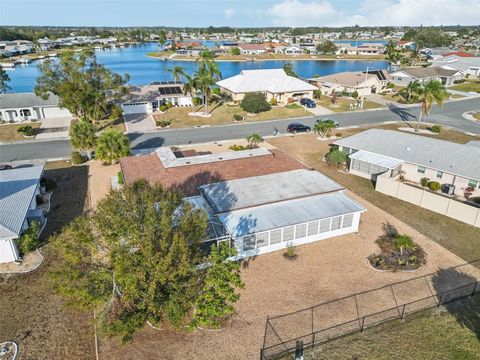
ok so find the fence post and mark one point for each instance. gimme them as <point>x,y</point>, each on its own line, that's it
<point>403,312</point>
<point>363,322</point>
<point>474,288</point>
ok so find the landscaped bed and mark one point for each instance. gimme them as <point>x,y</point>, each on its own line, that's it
<point>9,132</point>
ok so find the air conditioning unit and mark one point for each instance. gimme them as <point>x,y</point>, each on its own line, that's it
<point>449,189</point>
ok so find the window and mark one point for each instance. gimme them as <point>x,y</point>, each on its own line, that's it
<point>248,242</point>
<point>439,174</point>
<point>262,239</point>
<point>312,228</point>
<point>347,220</point>
<point>473,184</point>
<point>421,169</point>
<point>336,222</point>
<point>300,231</point>
<point>324,225</point>
<point>25,112</point>
<point>288,233</point>
<point>275,236</point>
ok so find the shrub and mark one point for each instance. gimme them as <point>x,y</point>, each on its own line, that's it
<point>236,147</point>
<point>459,81</point>
<point>436,129</point>
<point>253,141</point>
<point>290,253</point>
<point>255,103</point>
<point>217,91</point>
<point>317,94</point>
<point>237,117</point>
<point>29,240</point>
<point>273,101</point>
<point>390,85</point>
<point>26,130</point>
<point>197,101</point>
<point>434,185</point>
<point>163,108</point>
<point>163,123</point>
<point>120,178</point>
<point>116,112</point>
<point>336,157</point>
<point>77,158</point>
<point>48,184</point>
<point>345,92</point>
<point>404,242</point>
<point>355,94</point>
<point>168,105</point>
<point>338,135</point>
<point>424,181</point>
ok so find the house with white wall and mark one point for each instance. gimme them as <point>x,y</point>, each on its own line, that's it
<point>447,77</point>
<point>18,207</point>
<point>21,107</point>
<point>469,66</point>
<point>360,81</point>
<point>375,152</point>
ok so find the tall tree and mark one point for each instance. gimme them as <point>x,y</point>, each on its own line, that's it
<point>327,47</point>
<point>111,146</point>
<point>86,88</point>
<point>83,136</point>
<point>288,68</point>
<point>411,92</point>
<point>207,74</point>
<point>162,38</point>
<point>323,127</point>
<point>177,72</point>
<point>430,93</point>
<point>189,88</point>
<point>4,80</point>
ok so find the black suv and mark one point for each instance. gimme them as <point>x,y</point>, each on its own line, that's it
<point>297,127</point>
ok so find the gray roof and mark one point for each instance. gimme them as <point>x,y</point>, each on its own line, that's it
<point>273,216</point>
<point>450,157</point>
<point>380,160</point>
<point>266,189</point>
<point>428,72</point>
<point>475,143</point>
<point>23,100</point>
<point>17,188</point>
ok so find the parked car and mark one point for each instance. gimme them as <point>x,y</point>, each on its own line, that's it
<point>297,127</point>
<point>334,122</point>
<point>304,101</point>
<point>5,167</point>
<point>311,104</point>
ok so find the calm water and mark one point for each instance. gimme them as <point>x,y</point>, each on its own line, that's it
<point>144,70</point>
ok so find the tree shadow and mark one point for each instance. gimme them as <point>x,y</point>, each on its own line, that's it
<point>450,285</point>
<point>404,114</point>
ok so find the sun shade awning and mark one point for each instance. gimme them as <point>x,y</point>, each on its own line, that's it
<point>376,159</point>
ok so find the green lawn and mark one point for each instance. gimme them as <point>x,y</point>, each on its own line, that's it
<point>343,104</point>
<point>468,86</point>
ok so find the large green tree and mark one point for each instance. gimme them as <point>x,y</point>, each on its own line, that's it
<point>288,68</point>
<point>207,74</point>
<point>4,80</point>
<point>255,103</point>
<point>83,136</point>
<point>430,93</point>
<point>326,47</point>
<point>136,260</point>
<point>111,145</point>
<point>85,87</point>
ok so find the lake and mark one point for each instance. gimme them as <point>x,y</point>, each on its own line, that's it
<point>144,70</point>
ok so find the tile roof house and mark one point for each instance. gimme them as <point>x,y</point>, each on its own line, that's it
<point>407,75</point>
<point>273,83</point>
<point>360,81</point>
<point>258,200</point>
<point>18,206</point>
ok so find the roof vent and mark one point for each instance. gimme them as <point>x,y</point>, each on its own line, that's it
<point>407,148</point>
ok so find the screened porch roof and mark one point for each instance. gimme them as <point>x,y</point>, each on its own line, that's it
<point>376,159</point>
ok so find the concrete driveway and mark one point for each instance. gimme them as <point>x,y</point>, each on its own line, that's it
<point>54,128</point>
<point>139,123</point>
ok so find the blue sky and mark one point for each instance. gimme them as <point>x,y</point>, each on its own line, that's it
<point>239,12</point>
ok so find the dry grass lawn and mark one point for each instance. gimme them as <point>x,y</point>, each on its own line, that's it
<point>222,114</point>
<point>8,132</point>
<point>477,115</point>
<point>470,85</point>
<point>343,104</point>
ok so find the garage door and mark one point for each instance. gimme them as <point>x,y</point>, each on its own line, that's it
<point>137,108</point>
<point>55,112</point>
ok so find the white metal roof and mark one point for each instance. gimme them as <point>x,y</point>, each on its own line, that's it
<point>266,189</point>
<point>20,100</point>
<point>273,216</point>
<point>17,188</point>
<point>376,159</point>
<point>271,80</point>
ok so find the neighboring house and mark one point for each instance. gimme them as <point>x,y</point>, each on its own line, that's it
<point>360,81</point>
<point>273,83</point>
<point>253,49</point>
<point>18,207</point>
<point>446,76</point>
<point>257,200</point>
<point>364,49</point>
<point>146,99</point>
<point>374,152</point>
<point>288,50</point>
<point>467,65</point>
<point>28,106</point>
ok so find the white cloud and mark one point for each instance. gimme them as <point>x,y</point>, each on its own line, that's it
<point>229,13</point>
<point>375,12</point>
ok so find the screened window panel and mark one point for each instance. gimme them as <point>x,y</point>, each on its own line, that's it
<point>324,225</point>
<point>248,242</point>
<point>275,236</point>
<point>300,231</point>
<point>336,222</point>
<point>347,220</point>
<point>262,239</point>
<point>288,233</point>
<point>313,228</point>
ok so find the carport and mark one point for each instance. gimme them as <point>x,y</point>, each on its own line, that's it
<point>370,165</point>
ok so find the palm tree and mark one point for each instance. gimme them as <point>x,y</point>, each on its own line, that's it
<point>323,127</point>
<point>404,242</point>
<point>111,146</point>
<point>430,93</point>
<point>415,55</point>
<point>189,88</point>
<point>411,92</point>
<point>253,140</point>
<point>207,75</point>
<point>177,72</point>
<point>83,136</point>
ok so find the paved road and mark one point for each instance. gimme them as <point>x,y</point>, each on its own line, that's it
<point>451,115</point>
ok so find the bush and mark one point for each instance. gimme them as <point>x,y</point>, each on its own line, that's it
<point>26,130</point>
<point>237,117</point>
<point>217,91</point>
<point>168,105</point>
<point>338,135</point>
<point>390,85</point>
<point>255,103</point>
<point>29,240</point>
<point>436,129</point>
<point>236,147</point>
<point>336,157</point>
<point>197,101</point>
<point>163,108</point>
<point>116,112</point>
<point>273,101</point>
<point>345,92</point>
<point>290,253</point>
<point>424,181</point>
<point>120,178</point>
<point>163,123</point>
<point>48,184</point>
<point>434,185</point>
<point>77,158</point>
<point>355,94</point>
<point>460,81</point>
<point>317,94</point>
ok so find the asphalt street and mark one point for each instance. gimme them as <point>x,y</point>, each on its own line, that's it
<point>450,114</point>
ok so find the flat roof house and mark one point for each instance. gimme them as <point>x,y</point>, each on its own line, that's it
<point>273,83</point>
<point>18,207</point>
<point>446,76</point>
<point>145,99</point>
<point>375,152</point>
<point>360,81</point>
<point>30,107</point>
<point>259,200</point>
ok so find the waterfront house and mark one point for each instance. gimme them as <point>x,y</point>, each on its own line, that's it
<point>273,83</point>
<point>360,81</point>
<point>252,48</point>
<point>468,65</point>
<point>447,76</point>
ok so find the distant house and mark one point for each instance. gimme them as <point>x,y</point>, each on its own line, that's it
<point>467,64</point>
<point>374,152</point>
<point>273,83</point>
<point>446,76</point>
<point>18,207</point>
<point>29,107</point>
<point>361,82</point>
<point>256,200</point>
<point>364,49</point>
<point>146,99</point>
<point>253,49</point>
